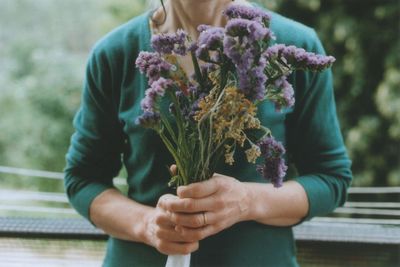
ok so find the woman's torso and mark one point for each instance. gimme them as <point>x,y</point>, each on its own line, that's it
<point>146,160</point>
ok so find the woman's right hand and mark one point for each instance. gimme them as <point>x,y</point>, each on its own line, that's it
<point>160,232</point>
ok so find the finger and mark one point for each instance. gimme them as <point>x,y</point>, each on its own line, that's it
<point>195,220</point>
<point>198,190</point>
<point>165,199</point>
<point>170,234</point>
<point>191,205</point>
<point>197,233</point>
<point>163,218</point>
<point>172,169</point>
<point>212,218</point>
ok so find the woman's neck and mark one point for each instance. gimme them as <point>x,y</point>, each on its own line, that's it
<point>188,14</point>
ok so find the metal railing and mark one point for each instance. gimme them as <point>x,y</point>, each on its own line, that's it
<point>12,200</point>
<point>323,241</point>
<point>45,174</point>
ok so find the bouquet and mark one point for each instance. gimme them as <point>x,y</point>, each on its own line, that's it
<point>206,117</point>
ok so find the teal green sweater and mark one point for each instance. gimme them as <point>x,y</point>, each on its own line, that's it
<point>106,137</point>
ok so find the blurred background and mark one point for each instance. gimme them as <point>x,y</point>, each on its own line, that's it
<point>44,45</point>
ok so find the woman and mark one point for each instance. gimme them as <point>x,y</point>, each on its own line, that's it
<point>234,219</point>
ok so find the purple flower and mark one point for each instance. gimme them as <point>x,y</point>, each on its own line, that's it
<point>203,27</point>
<point>274,168</point>
<point>152,65</point>
<point>195,107</point>
<point>156,90</point>
<point>233,49</point>
<point>251,29</point>
<point>242,53</point>
<point>245,55</point>
<point>210,39</point>
<point>148,119</point>
<point>193,47</point>
<point>147,103</point>
<point>170,43</point>
<point>252,80</point>
<point>320,62</point>
<point>244,42</point>
<point>299,58</point>
<point>285,96</point>
<point>247,12</point>
<point>274,51</point>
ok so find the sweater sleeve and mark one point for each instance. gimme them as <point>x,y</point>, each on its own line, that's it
<point>94,155</point>
<point>316,143</point>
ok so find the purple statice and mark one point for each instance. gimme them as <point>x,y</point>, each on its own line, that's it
<point>148,119</point>
<point>152,65</point>
<point>274,168</point>
<point>210,39</point>
<point>170,43</point>
<point>156,90</point>
<point>194,108</point>
<point>239,46</point>
<point>245,55</point>
<point>198,93</point>
<point>244,40</point>
<point>247,12</point>
<point>193,47</point>
<point>274,51</point>
<point>243,45</point>
<point>320,62</point>
<point>253,30</point>
<point>252,80</point>
<point>285,96</point>
<point>203,27</point>
<point>241,54</point>
<point>299,58</point>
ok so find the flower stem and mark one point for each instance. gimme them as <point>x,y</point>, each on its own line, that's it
<point>174,154</point>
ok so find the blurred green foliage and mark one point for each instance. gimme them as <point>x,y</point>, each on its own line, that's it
<point>45,44</point>
<point>364,36</point>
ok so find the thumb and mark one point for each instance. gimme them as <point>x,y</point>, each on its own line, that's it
<point>173,169</point>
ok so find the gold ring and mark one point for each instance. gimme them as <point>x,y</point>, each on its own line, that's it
<point>204,219</point>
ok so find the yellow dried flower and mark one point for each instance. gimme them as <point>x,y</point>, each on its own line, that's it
<point>205,105</point>
<point>214,77</point>
<point>229,158</point>
<point>231,114</point>
<point>253,153</point>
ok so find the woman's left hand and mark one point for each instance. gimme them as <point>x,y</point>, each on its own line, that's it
<point>206,208</point>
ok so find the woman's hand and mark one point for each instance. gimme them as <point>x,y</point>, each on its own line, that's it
<point>206,208</point>
<point>160,232</point>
